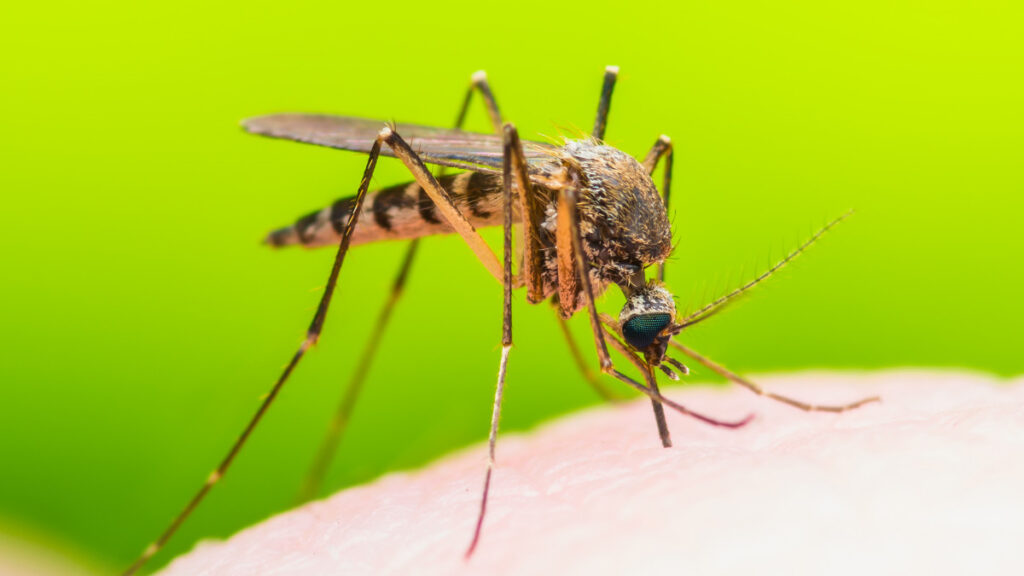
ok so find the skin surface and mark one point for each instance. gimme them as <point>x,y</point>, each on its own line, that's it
<point>931,481</point>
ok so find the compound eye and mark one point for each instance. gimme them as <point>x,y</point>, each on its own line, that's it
<point>641,330</point>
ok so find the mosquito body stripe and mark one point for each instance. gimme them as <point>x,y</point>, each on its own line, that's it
<point>324,216</point>
<point>475,191</point>
<point>305,227</point>
<point>457,186</point>
<point>426,207</point>
<point>386,200</point>
<point>402,211</point>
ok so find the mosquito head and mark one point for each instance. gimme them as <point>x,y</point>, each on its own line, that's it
<point>647,321</point>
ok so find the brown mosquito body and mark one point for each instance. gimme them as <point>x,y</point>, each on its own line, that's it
<point>400,212</point>
<point>591,218</point>
<point>622,218</point>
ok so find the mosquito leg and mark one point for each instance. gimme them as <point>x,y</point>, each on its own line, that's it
<point>478,82</point>
<point>314,478</point>
<point>723,371</point>
<point>531,213</point>
<point>513,162</point>
<point>661,148</point>
<point>565,257</point>
<point>311,485</point>
<point>591,378</point>
<point>611,73</point>
<point>312,335</point>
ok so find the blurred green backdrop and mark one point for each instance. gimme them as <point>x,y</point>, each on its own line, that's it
<point>142,320</point>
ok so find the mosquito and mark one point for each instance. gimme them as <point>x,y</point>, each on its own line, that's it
<point>590,217</point>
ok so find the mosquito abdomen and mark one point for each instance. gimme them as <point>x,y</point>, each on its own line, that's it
<point>398,212</point>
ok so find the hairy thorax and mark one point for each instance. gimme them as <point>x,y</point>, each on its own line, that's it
<point>622,216</point>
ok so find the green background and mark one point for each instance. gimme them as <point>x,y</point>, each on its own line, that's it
<point>142,320</point>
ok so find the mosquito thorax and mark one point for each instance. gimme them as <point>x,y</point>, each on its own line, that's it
<point>622,215</point>
<point>646,320</point>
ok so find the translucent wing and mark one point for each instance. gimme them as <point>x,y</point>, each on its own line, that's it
<point>441,146</point>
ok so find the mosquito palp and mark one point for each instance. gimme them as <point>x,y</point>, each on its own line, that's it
<point>679,366</point>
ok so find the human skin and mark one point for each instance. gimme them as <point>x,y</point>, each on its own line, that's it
<point>930,481</point>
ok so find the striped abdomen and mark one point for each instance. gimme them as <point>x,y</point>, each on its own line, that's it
<point>403,211</point>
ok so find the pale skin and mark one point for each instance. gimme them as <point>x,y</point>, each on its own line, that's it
<point>926,482</point>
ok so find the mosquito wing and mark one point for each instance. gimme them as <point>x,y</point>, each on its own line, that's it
<point>441,146</point>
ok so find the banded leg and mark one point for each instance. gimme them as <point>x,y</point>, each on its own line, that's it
<point>312,335</point>
<point>329,446</point>
<point>567,204</point>
<point>663,147</point>
<point>733,377</point>
<point>514,161</point>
